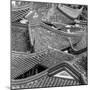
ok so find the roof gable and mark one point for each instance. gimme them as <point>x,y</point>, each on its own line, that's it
<point>64,74</point>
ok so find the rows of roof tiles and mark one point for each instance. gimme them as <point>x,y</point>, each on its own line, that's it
<point>15,15</point>
<point>46,81</point>
<point>23,62</point>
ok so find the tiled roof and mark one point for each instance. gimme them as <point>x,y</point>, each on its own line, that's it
<point>46,81</point>
<point>52,59</point>
<point>73,13</point>
<point>46,78</point>
<point>22,62</point>
<point>19,38</point>
<point>61,32</point>
<point>16,15</point>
